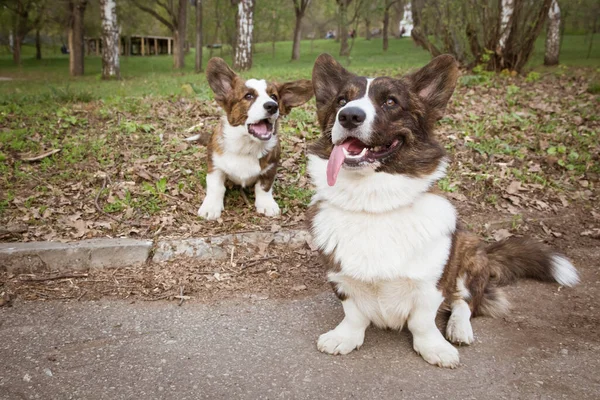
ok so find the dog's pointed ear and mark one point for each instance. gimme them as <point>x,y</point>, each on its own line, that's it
<point>293,94</point>
<point>328,77</point>
<point>220,78</point>
<point>435,83</point>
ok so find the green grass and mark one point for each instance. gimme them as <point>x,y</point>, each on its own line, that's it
<point>48,80</point>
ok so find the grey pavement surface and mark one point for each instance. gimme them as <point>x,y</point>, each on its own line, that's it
<point>265,349</point>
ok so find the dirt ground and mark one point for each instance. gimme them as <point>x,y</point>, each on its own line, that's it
<point>259,343</point>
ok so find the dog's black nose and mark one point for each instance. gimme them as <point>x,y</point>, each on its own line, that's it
<point>352,117</point>
<point>271,107</point>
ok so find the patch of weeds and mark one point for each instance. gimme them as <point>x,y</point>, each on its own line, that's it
<point>533,77</point>
<point>511,92</point>
<point>445,185</point>
<point>490,146</point>
<point>492,199</point>
<point>291,196</point>
<point>66,95</point>
<point>131,127</point>
<point>594,87</point>
<point>10,195</point>
<point>517,221</point>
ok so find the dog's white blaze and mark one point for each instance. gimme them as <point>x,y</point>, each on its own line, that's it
<point>364,131</point>
<point>257,110</point>
<point>564,272</point>
<point>364,190</point>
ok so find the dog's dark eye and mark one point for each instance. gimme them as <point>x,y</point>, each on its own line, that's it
<point>342,102</point>
<point>249,96</point>
<point>274,97</point>
<point>390,102</point>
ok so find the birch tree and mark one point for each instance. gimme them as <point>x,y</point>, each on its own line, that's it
<point>242,59</point>
<point>506,13</point>
<point>110,40</point>
<point>553,35</point>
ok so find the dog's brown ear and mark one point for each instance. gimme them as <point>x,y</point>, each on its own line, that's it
<point>293,94</point>
<point>328,77</point>
<point>220,78</point>
<point>435,83</point>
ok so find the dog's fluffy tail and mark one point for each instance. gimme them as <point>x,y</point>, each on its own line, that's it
<point>515,258</point>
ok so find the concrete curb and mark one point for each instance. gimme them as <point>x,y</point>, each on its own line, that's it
<point>215,247</point>
<point>85,254</point>
<point>34,257</point>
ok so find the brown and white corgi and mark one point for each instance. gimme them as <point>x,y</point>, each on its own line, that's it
<point>394,251</point>
<point>244,148</point>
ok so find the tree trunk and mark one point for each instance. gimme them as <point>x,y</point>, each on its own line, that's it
<point>368,28</point>
<point>297,36</point>
<point>110,40</point>
<point>386,26</point>
<point>38,45</point>
<point>505,24</point>
<point>180,35</point>
<point>76,30</point>
<point>343,31</point>
<point>17,50</point>
<point>199,43</point>
<point>242,59</point>
<point>553,35</point>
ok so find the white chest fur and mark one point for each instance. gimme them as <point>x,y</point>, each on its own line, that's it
<point>410,242</point>
<point>240,159</point>
<point>382,237</point>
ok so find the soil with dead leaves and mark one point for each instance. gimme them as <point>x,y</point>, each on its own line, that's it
<point>124,168</point>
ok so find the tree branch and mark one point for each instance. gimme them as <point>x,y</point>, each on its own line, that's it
<point>156,15</point>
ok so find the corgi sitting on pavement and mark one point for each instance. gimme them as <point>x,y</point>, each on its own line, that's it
<point>244,148</point>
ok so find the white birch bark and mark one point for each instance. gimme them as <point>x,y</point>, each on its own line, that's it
<point>505,23</point>
<point>553,35</point>
<point>110,40</point>
<point>245,26</point>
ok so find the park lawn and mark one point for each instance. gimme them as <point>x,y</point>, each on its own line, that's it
<point>48,79</point>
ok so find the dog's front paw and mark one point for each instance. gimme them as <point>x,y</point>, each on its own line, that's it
<point>268,208</point>
<point>210,209</point>
<point>440,353</point>
<point>459,330</point>
<point>337,342</point>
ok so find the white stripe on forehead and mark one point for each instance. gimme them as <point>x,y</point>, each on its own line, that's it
<point>365,104</point>
<point>257,85</point>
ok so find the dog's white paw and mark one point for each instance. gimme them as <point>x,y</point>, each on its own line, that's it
<point>210,209</point>
<point>438,352</point>
<point>459,330</point>
<point>339,341</point>
<point>268,207</point>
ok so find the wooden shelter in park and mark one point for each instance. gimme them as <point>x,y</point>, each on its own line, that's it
<point>135,45</point>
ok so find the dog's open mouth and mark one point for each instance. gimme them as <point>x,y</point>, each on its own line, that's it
<point>262,130</point>
<point>353,152</point>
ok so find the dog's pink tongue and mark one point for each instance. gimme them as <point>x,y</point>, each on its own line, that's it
<point>260,128</point>
<point>336,159</point>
